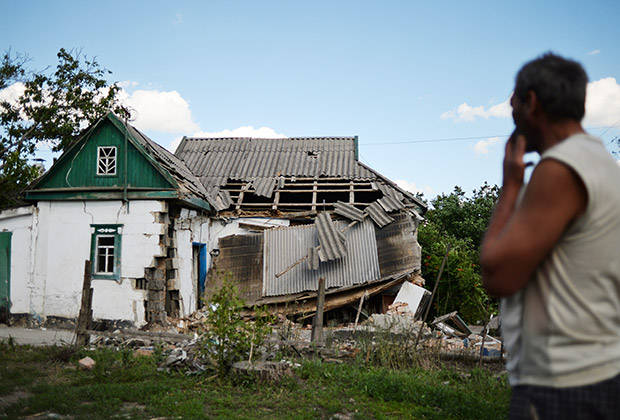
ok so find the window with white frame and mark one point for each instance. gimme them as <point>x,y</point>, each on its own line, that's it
<point>106,160</point>
<point>106,251</point>
<point>104,261</point>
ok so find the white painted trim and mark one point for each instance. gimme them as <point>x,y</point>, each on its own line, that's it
<point>115,160</point>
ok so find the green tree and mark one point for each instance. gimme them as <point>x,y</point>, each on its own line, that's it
<point>458,220</point>
<point>52,106</point>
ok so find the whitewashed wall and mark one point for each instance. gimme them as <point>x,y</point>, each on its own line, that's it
<point>50,243</point>
<point>191,227</point>
<point>62,243</point>
<point>19,221</point>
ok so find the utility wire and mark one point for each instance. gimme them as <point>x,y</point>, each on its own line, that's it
<point>448,139</point>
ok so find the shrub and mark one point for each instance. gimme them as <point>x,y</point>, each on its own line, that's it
<point>228,338</point>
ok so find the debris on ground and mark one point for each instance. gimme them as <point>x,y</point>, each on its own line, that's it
<point>264,370</point>
<point>86,363</point>
<point>447,334</point>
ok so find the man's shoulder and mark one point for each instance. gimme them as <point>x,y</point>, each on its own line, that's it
<point>580,144</point>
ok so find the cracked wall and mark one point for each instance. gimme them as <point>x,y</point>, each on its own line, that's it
<point>61,245</point>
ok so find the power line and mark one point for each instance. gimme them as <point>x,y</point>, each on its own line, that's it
<point>438,140</point>
<point>448,139</point>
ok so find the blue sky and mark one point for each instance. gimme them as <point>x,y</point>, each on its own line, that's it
<point>389,72</point>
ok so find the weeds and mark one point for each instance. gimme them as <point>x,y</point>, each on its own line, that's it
<point>125,386</point>
<point>227,337</point>
<point>394,346</point>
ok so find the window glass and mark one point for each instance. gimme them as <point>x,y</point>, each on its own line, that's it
<point>105,254</point>
<point>105,251</point>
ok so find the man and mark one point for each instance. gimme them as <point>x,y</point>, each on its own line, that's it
<point>552,252</point>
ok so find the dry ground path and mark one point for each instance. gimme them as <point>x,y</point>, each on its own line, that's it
<point>37,336</point>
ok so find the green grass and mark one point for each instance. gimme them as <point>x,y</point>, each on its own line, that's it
<point>131,387</point>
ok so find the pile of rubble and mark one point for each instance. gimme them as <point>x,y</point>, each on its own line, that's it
<point>447,334</point>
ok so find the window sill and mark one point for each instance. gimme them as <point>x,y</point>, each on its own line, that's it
<point>105,277</point>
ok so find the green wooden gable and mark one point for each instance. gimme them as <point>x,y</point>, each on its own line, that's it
<point>75,176</point>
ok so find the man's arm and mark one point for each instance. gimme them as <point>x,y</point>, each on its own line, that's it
<point>519,238</point>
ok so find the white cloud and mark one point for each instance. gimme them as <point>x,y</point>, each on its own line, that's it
<point>12,93</point>
<point>603,103</point>
<point>161,111</point>
<point>245,131</point>
<point>594,52</point>
<point>413,188</point>
<point>127,84</point>
<point>155,110</point>
<point>178,19</point>
<point>602,106</point>
<point>466,112</point>
<point>482,147</point>
<point>172,147</point>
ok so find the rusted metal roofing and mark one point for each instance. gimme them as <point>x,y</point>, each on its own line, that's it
<point>331,240</point>
<point>349,211</point>
<point>398,248</point>
<point>390,203</point>
<point>215,160</point>
<point>284,246</point>
<point>378,215</point>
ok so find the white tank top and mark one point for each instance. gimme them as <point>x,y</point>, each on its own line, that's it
<point>563,328</point>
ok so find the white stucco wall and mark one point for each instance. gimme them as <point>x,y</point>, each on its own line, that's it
<point>19,222</point>
<point>191,227</point>
<point>63,243</point>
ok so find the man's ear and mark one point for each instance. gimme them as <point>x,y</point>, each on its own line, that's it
<point>533,104</point>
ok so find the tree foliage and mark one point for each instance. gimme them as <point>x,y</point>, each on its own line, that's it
<point>52,106</point>
<point>458,220</point>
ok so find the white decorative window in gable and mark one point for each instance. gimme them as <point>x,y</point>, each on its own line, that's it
<point>106,160</point>
<point>106,251</point>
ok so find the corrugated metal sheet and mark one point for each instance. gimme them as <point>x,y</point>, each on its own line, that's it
<point>397,246</point>
<point>416,215</point>
<point>241,258</point>
<point>188,182</point>
<point>331,240</point>
<point>378,215</point>
<point>313,258</point>
<point>222,200</point>
<point>390,203</point>
<point>215,160</point>
<point>285,246</point>
<point>388,191</point>
<point>263,186</point>
<point>349,211</point>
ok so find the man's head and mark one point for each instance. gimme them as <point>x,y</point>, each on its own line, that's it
<point>548,89</point>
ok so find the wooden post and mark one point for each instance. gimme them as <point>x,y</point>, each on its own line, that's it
<point>86,313</point>
<point>315,189</point>
<point>317,326</point>
<point>484,337</point>
<point>359,309</point>
<point>430,302</point>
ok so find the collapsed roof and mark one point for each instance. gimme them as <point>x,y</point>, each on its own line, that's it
<point>288,174</point>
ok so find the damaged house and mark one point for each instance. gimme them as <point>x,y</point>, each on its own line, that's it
<point>163,230</point>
